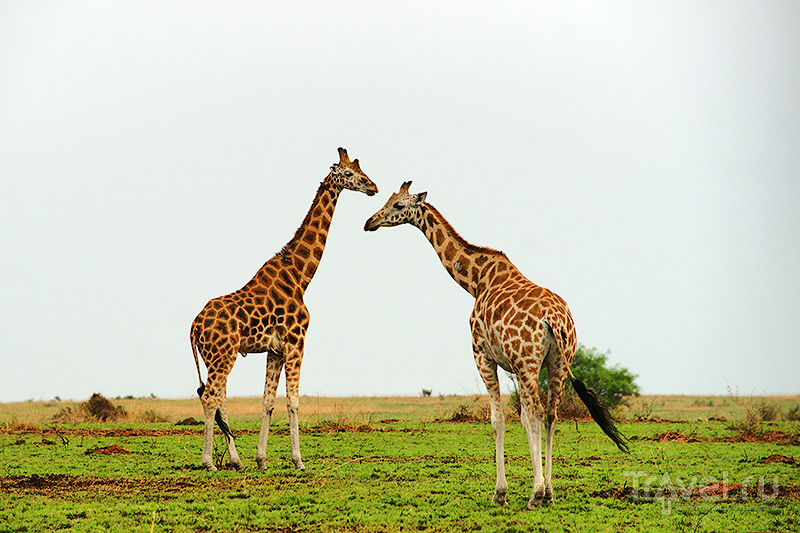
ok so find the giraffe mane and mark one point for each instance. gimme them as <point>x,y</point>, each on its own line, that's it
<point>467,245</point>
<point>287,248</point>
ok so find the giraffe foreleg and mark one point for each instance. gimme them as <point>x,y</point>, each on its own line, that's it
<point>274,366</point>
<point>499,428</point>
<point>293,361</point>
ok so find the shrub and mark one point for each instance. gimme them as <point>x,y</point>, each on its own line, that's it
<point>100,409</point>
<point>755,410</point>
<point>610,384</point>
<point>97,409</point>
<point>477,410</point>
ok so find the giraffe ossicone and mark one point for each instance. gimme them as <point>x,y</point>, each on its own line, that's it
<point>268,315</point>
<point>516,325</point>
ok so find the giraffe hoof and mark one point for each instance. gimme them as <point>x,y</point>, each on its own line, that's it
<point>539,500</point>
<point>499,498</point>
<point>211,468</point>
<point>298,464</point>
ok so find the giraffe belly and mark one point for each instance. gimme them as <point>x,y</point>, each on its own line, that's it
<point>260,344</point>
<point>494,350</point>
<point>498,356</point>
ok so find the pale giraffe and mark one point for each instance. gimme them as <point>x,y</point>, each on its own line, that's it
<point>516,325</point>
<point>268,315</point>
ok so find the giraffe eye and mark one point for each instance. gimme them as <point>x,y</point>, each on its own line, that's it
<point>348,174</point>
<point>398,205</point>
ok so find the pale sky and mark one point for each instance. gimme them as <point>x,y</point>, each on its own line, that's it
<point>640,159</point>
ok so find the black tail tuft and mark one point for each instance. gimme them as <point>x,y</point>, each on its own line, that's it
<point>600,414</point>
<point>223,425</point>
<point>226,430</point>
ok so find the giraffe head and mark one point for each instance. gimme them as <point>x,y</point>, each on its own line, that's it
<point>401,208</point>
<point>347,174</point>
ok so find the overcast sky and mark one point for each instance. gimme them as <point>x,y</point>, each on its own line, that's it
<point>641,159</point>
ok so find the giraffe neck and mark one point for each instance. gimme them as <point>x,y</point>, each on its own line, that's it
<point>301,255</point>
<point>463,261</point>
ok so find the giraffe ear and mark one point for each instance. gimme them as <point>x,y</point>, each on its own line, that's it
<point>421,197</point>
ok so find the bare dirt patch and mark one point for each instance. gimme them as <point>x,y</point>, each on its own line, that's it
<point>330,426</point>
<point>673,436</point>
<point>777,458</point>
<point>189,421</point>
<point>102,432</point>
<point>180,431</point>
<point>55,484</point>
<point>774,437</point>
<point>114,449</point>
<point>717,492</point>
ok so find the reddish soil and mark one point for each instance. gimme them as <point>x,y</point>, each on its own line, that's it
<point>775,437</point>
<point>717,489</point>
<point>673,436</point>
<point>657,419</point>
<point>715,492</point>
<point>189,422</point>
<point>109,450</point>
<point>324,427</point>
<point>55,484</point>
<point>777,458</point>
<point>101,432</point>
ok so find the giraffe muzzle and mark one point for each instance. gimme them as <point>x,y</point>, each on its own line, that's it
<point>371,224</point>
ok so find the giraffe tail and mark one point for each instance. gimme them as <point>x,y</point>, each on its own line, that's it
<point>196,360</point>
<point>226,429</point>
<point>599,413</point>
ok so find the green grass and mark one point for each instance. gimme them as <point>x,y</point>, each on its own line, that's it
<point>412,474</point>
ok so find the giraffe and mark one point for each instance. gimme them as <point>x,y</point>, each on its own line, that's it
<point>268,315</point>
<point>516,325</point>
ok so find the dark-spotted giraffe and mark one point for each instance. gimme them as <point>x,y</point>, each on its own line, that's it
<point>515,324</point>
<point>268,316</point>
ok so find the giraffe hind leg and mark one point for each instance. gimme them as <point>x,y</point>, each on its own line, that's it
<point>208,437</point>
<point>214,412</point>
<point>557,372</point>
<point>531,418</point>
<point>222,420</point>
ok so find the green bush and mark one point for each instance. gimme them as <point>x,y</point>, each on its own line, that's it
<point>610,384</point>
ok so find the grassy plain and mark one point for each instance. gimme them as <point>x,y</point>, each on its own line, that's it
<point>387,464</point>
